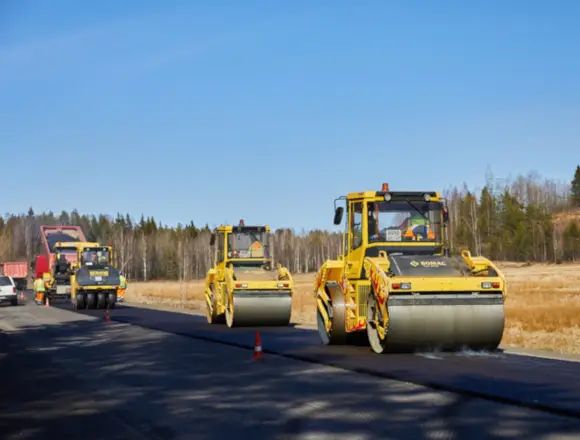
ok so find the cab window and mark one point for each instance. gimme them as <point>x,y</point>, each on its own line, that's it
<point>356,224</point>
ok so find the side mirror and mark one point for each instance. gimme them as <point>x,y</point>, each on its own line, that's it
<point>445,215</point>
<point>212,239</point>
<point>338,212</point>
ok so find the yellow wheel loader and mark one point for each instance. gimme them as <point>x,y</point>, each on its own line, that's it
<point>243,288</point>
<point>396,281</point>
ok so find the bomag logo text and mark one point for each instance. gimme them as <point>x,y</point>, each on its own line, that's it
<point>428,264</point>
<point>99,273</point>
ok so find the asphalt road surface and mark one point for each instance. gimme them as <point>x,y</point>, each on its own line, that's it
<point>161,375</point>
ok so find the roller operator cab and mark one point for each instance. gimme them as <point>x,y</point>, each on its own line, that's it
<point>243,287</point>
<point>94,282</point>
<point>396,282</point>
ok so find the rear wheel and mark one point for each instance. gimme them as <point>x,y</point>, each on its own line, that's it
<point>81,301</point>
<point>91,300</point>
<point>325,336</point>
<point>336,335</point>
<point>211,312</point>
<point>230,319</point>
<point>101,300</point>
<point>111,300</point>
<point>376,332</point>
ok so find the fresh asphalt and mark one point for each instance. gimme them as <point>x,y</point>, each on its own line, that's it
<point>156,374</point>
<point>547,384</point>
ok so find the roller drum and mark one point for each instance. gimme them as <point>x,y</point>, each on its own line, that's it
<point>261,308</point>
<point>444,321</point>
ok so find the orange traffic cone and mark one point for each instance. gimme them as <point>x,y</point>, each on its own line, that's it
<point>257,347</point>
<point>107,317</point>
<point>47,302</point>
<point>22,294</point>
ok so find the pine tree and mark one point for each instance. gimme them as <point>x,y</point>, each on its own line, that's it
<point>576,187</point>
<point>572,241</point>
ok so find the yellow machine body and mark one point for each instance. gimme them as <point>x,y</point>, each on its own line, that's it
<point>58,286</point>
<point>396,282</point>
<point>93,281</point>
<point>243,288</point>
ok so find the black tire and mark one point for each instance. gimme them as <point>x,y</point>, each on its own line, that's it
<point>111,300</point>
<point>81,301</point>
<point>337,334</point>
<point>101,300</point>
<point>324,335</point>
<point>211,315</point>
<point>91,300</point>
<point>230,314</point>
<point>377,344</point>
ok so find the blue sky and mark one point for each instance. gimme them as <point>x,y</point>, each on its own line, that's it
<point>220,110</point>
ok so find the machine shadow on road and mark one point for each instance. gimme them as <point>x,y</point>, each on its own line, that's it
<point>500,377</point>
<point>92,379</point>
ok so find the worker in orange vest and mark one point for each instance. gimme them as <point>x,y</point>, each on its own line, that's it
<point>122,287</point>
<point>39,291</point>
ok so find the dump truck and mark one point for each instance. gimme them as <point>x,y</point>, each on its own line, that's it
<point>59,246</point>
<point>243,287</point>
<point>18,271</point>
<point>397,282</point>
<point>51,235</point>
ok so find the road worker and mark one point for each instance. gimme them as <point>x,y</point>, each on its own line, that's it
<point>39,291</point>
<point>122,287</point>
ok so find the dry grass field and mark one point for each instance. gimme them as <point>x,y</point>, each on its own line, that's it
<point>542,308</point>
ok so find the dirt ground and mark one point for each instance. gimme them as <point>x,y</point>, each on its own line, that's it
<point>542,306</point>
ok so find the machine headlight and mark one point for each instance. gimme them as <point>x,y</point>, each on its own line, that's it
<point>388,197</point>
<point>427,197</point>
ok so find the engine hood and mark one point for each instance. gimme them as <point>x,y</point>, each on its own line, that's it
<point>428,266</point>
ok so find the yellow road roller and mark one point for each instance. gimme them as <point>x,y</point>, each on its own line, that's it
<point>94,281</point>
<point>243,287</point>
<point>397,281</point>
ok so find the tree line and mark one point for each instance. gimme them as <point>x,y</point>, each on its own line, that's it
<point>527,219</point>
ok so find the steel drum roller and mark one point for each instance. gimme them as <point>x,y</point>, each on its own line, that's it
<point>260,308</point>
<point>444,321</point>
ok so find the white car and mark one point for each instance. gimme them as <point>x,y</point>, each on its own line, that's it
<point>8,291</point>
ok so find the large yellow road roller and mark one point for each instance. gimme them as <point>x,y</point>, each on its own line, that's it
<point>397,281</point>
<point>243,287</point>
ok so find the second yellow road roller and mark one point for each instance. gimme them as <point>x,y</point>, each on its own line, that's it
<point>397,282</point>
<point>243,288</point>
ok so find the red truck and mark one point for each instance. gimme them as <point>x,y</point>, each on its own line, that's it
<point>18,271</point>
<point>46,262</point>
<point>51,235</point>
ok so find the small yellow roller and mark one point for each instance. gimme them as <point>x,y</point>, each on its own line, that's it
<point>243,288</point>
